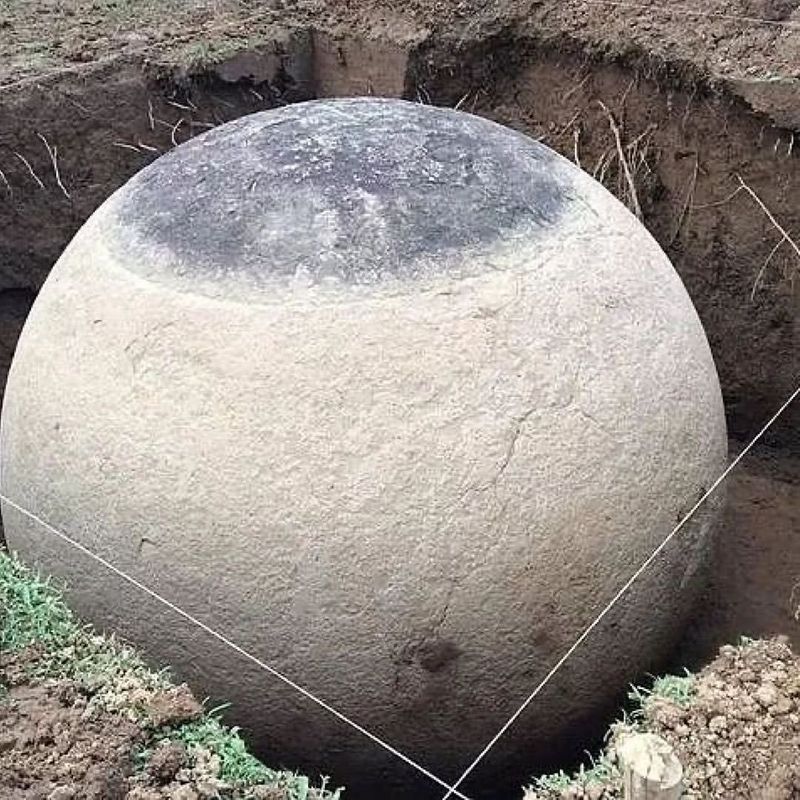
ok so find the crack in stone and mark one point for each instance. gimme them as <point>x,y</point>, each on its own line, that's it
<point>519,422</point>
<point>136,349</point>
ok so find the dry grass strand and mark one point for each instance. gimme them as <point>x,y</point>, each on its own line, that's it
<point>30,170</point>
<point>53,153</point>
<point>633,195</point>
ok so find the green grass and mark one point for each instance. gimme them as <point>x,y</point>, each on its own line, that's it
<point>112,674</point>
<point>678,689</point>
<point>35,615</point>
<point>603,771</point>
<point>237,766</point>
<point>598,773</point>
<point>33,612</point>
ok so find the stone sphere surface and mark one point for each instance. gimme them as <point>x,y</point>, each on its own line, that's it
<point>394,397</point>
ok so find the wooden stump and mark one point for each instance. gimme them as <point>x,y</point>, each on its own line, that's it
<point>651,770</point>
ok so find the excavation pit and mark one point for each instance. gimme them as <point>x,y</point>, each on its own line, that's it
<point>684,133</point>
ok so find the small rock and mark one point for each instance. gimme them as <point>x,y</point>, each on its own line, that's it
<point>166,760</point>
<point>62,793</point>
<point>783,705</point>
<point>173,707</point>
<point>767,695</point>
<point>718,724</point>
<point>184,793</point>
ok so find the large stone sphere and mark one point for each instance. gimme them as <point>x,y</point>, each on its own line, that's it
<point>397,399</point>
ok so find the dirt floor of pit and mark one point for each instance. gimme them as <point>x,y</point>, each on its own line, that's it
<point>755,584</point>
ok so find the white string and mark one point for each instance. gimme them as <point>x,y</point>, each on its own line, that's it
<point>614,600</point>
<point>452,790</point>
<point>687,12</point>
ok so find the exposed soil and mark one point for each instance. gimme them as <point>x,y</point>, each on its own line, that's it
<point>740,735</point>
<point>755,585</point>
<point>54,745</point>
<point>93,90</point>
<point>735,728</point>
<point>50,748</point>
<point>92,756</point>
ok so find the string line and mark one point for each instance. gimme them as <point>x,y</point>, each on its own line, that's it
<point>451,790</point>
<point>614,600</point>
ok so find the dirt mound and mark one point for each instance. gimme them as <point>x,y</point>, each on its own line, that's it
<point>739,736</point>
<point>92,754</point>
<point>83,718</point>
<point>735,728</point>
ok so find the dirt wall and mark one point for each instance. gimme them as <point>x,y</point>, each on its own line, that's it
<point>685,144</point>
<point>684,135</point>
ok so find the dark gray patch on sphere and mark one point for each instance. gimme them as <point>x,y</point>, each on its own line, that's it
<point>359,190</point>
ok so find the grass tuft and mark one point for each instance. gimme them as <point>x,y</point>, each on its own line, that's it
<point>677,689</point>
<point>599,772</point>
<point>603,772</point>
<point>33,610</point>
<point>115,679</point>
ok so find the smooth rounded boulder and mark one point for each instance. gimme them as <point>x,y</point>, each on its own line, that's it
<point>397,399</point>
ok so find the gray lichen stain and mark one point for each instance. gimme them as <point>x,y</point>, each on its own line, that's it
<point>357,191</point>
